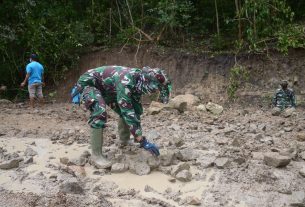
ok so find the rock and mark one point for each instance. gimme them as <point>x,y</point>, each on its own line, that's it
<point>71,187</point>
<point>167,158</point>
<point>302,155</point>
<point>276,111</point>
<point>288,129</point>
<point>119,168</point>
<point>79,162</point>
<point>191,200</point>
<point>178,142</point>
<point>222,162</point>
<point>236,142</point>
<point>5,102</point>
<point>155,108</point>
<point>274,159</point>
<point>214,108</point>
<point>297,199</point>
<point>201,107</point>
<point>288,112</point>
<point>205,162</point>
<point>172,180</point>
<point>139,168</point>
<point>179,168</point>
<point>29,152</point>
<point>152,135</point>
<point>184,176</point>
<point>302,172</point>
<point>147,188</point>
<point>9,164</point>
<point>301,137</point>
<point>183,102</point>
<point>64,160</point>
<point>257,155</point>
<point>187,154</point>
<point>85,154</point>
<point>28,160</point>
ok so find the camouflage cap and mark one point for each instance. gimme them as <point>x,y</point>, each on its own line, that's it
<point>158,79</point>
<point>284,83</point>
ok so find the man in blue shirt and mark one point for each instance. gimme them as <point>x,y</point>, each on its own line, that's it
<point>34,76</point>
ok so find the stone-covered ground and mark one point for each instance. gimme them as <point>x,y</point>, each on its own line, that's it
<point>240,157</point>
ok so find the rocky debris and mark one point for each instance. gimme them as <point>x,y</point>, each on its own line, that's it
<point>274,159</point>
<point>187,154</point>
<point>28,160</point>
<point>71,187</point>
<point>139,168</point>
<point>184,176</point>
<point>301,137</point>
<point>302,155</point>
<point>64,160</point>
<point>302,172</point>
<point>297,199</point>
<point>214,108</point>
<point>222,162</point>
<point>9,164</point>
<point>29,152</point>
<point>201,107</point>
<point>177,141</point>
<point>205,161</point>
<point>276,112</point>
<point>148,188</point>
<point>155,108</point>
<point>191,200</point>
<point>167,157</point>
<point>119,168</point>
<point>178,168</point>
<point>182,102</point>
<point>5,102</point>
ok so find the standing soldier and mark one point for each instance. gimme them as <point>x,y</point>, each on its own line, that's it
<point>121,89</point>
<point>283,100</point>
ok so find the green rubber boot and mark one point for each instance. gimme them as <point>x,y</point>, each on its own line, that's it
<point>124,133</point>
<point>97,159</point>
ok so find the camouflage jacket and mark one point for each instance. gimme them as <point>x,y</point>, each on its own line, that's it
<point>122,88</point>
<point>284,98</point>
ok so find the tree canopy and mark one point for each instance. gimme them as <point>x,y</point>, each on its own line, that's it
<point>59,30</point>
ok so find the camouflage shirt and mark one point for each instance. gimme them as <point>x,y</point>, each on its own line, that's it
<point>122,87</point>
<point>284,98</point>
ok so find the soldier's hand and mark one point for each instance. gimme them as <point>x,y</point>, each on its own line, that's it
<point>152,148</point>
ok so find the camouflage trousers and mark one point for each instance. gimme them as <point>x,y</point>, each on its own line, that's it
<point>95,103</point>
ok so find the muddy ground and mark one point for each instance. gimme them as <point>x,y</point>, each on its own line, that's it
<point>220,159</point>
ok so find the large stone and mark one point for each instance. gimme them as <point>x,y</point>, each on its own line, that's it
<point>301,137</point>
<point>194,201</point>
<point>5,102</point>
<point>184,176</point>
<point>167,158</point>
<point>71,187</point>
<point>187,154</point>
<point>183,102</point>
<point>302,172</point>
<point>13,163</point>
<point>155,108</point>
<point>139,168</point>
<point>29,152</point>
<point>178,168</point>
<point>119,168</point>
<point>274,159</point>
<point>222,162</point>
<point>201,107</point>
<point>214,108</point>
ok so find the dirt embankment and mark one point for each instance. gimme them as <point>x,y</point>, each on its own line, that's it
<point>204,75</point>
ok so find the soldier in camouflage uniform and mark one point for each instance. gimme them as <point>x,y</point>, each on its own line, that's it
<point>121,89</point>
<point>283,100</point>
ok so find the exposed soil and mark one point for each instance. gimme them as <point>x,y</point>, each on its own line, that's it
<point>225,154</point>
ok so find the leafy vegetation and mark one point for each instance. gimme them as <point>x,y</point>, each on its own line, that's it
<point>59,30</point>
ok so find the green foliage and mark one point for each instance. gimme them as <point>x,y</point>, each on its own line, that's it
<point>291,36</point>
<point>59,30</point>
<point>238,75</point>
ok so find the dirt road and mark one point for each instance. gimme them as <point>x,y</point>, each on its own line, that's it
<point>206,160</point>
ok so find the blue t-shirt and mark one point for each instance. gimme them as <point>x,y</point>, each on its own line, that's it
<point>35,69</point>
